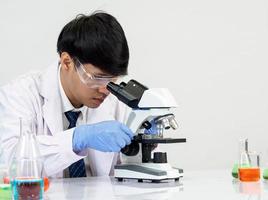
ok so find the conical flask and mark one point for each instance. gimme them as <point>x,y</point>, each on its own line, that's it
<point>242,156</point>
<point>26,170</point>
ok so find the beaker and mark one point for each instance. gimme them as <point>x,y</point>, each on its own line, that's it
<point>249,167</point>
<point>26,169</point>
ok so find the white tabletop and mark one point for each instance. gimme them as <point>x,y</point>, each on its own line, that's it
<point>208,185</point>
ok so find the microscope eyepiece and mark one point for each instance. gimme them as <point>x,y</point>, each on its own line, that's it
<point>129,93</point>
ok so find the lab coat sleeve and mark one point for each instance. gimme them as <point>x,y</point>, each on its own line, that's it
<point>56,150</point>
<point>12,107</point>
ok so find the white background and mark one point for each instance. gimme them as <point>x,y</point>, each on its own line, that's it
<point>212,54</point>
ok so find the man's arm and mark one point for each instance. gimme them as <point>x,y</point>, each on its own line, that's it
<point>17,101</point>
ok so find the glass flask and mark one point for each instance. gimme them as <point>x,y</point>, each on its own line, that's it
<point>242,147</point>
<point>26,169</point>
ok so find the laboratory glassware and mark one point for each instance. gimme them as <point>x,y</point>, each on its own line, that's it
<point>26,169</point>
<point>242,147</point>
<point>249,167</point>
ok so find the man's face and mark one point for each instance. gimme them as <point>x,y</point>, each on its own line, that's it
<point>82,90</point>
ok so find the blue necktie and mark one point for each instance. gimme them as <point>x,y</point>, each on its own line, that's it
<point>78,168</point>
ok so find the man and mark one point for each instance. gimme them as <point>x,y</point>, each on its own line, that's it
<point>79,129</point>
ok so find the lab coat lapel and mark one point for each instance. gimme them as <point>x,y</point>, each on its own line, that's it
<point>52,108</point>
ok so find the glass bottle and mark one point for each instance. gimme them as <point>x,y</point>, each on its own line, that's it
<point>26,169</point>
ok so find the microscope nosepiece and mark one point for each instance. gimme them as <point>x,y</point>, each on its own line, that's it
<point>165,123</point>
<point>173,123</point>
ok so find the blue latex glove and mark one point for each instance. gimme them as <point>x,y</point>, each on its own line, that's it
<point>106,136</point>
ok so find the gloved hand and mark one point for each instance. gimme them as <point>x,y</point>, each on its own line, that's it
<point>106,136</point>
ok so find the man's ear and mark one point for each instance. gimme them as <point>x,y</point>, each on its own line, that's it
<point>66,61</point>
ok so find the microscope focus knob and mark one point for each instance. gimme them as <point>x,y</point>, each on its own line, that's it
<point>147,125</point>
<point>160,157</point>
<point>132,149</point>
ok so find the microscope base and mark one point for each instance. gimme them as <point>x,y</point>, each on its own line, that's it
<point>155,172</point>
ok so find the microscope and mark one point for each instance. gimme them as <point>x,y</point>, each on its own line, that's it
<point>149,107</point>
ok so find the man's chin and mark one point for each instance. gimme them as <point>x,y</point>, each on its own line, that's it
<point>93,105</point>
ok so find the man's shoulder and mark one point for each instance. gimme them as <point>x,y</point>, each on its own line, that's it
<point>22,81</point>
<point>18,95</point>
<point>31,79</point>
<point>27,84</point>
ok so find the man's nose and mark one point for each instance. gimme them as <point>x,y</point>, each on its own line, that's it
<point>103,90</point>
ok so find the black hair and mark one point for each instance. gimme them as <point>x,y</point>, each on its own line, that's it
<point>97,39</point>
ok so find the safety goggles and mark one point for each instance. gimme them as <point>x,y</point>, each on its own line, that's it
<point>91,80</point>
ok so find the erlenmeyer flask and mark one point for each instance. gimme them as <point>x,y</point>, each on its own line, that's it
<point>242,149</point>
<point>26,169</point>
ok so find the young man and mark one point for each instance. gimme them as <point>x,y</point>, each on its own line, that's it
<point>79,129</point>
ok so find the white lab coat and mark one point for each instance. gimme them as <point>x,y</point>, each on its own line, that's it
<point>38,94</point>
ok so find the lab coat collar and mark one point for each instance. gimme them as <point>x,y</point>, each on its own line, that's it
<point>49,90</point>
